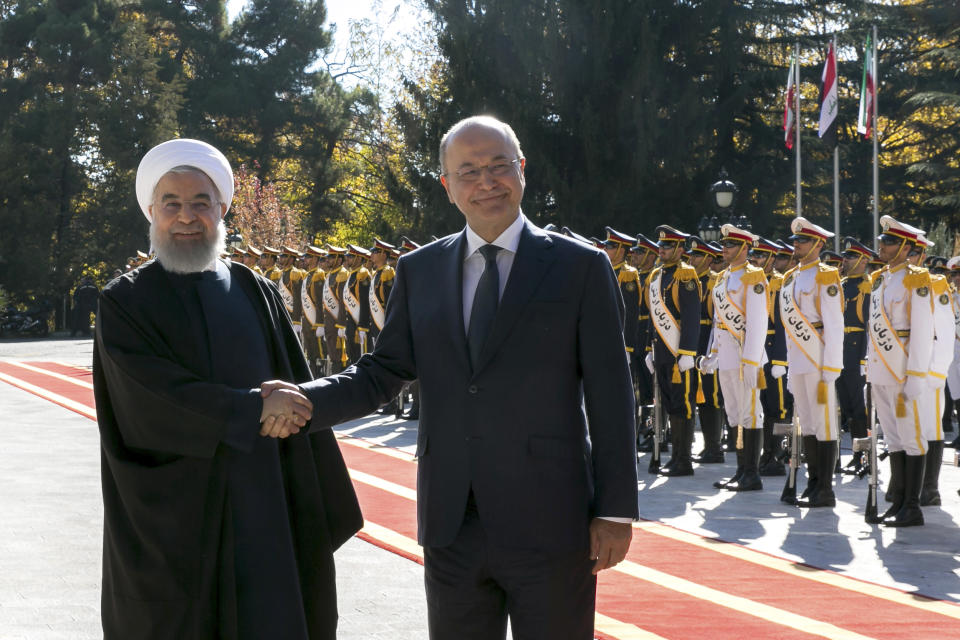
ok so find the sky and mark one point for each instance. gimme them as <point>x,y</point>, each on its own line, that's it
<point>340,12</point>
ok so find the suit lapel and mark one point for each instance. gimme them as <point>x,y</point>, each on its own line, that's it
<point>451,266</point>
<point>531,263</point>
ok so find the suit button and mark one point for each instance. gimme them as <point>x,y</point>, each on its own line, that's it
<point>472,388</point>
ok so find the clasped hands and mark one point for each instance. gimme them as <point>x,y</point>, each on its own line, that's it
<point>285,409</point>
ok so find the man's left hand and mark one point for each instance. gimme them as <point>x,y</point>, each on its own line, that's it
<point>609,542</point>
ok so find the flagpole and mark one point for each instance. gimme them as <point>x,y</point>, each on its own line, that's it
<point>836,167</point>
<point>876,142</point>
<point>796,84</point>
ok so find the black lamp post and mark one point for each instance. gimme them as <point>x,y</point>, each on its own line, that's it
<point>234,240</point>
<point>724,192</point>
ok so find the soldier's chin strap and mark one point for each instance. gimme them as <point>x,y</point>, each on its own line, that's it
<point>813,246</point>
<point>676,256</point>
<point>743,245</point>
<point>893,260</point>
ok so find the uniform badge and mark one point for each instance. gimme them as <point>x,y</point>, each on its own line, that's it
<point>832,290</point>
<point>922,292</point>
<point>944,299</point>
<point>631,286</point>
<point>758,288</point>
<point>689,285</point>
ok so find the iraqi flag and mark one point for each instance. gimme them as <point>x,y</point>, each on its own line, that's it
<point>789,108</point>
<point>868,92</point>
<point>828,99</point>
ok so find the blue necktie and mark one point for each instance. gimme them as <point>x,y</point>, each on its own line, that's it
<point>485,302</point>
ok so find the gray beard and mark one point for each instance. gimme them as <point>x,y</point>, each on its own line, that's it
<point>191,257</point>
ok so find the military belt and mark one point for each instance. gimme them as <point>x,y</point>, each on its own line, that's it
<point>706,322</point>
<point>853,329</point>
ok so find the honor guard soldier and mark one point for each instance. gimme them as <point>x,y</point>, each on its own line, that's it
<point>645,254</point>
<point>311,302</point>
<point>776,400</point>
<point>856,286</point>
<point>736,352</point>
<point>355,310</point>
<point>405,246</point>
<point>673,295</point>
<point>334,333</point>
<point>831,259</point>
<point>701,255</point>
<point>811,312</point>
<point>289,283</point>
<point>570,233</point>
<point>934,400</point>
<point>253,259</point>
<point>937,265</point>
<point>381,282</point>
<point>719,262</point>
<point>785,260</point>
<point>268,263</point>
<point>616,247</point>
<point>953,373</point>
<point>901,333</point>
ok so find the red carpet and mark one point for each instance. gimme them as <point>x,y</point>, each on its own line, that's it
<point>673,585</point>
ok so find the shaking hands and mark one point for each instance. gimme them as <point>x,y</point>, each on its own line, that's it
<point>285,409</point>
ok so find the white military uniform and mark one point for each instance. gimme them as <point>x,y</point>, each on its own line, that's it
<point>944,341</point>
<point>953,372</point>
<point>737,341</point>
<point>901,329</point>
<point>811,310</point>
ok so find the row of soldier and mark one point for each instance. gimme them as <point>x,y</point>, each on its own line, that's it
<point>760,332</point>
<point>747,333</point>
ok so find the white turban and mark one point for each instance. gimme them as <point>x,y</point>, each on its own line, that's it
<point>177,153</point>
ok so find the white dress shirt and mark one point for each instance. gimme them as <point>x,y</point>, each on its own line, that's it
<point>474,262</point>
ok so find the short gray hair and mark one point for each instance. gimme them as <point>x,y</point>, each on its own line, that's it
<point>486,121</point>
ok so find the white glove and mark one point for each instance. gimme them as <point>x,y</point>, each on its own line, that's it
<point>935,382</point>
<point>649,361</point>
<point>750,375</point>
<point>685,363</point>
<point>320,331</point>
<point>342,332</point>
<point>362,333</point>
<point>829,376</point>
<point>778,371</point>
<point>863,370</point>
<point>914,387</point>
<point>709,364</point>
<point>297,329</point>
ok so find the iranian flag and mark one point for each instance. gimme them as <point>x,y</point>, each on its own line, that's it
<point>868,92</point>
<point>828,99</point>
<point>789,109</point>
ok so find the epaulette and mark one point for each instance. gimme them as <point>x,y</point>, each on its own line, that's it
<point>827,275</point>
<point>940,284</point>
<point>753,275</point>
<point>343,275</point>
<point>628,274</point>
<point>387,274</point>
<point>362,274</point>
<point>685,272</point>
<point>866,285</point>
<point>916,277</point>
<point>712,280</point>
<point>874,274</point>
<point>776,282</point>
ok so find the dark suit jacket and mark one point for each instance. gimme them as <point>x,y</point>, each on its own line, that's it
<point>514,429</point>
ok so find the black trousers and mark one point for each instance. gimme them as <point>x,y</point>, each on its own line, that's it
<point>678,398</point>
<point>473,585</point>
<point>776,400</point>
<point>850,385</point>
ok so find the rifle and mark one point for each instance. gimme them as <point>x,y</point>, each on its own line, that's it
<point>869,445</point>
<point>657,426</point>
<point>789,494</point>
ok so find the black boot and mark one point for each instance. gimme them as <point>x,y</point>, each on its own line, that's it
<point>895,488</point>
<point>675,433</point>
<point>930,493</point>
<point>910,514</point>
<point>682,445</point>
<point>732,439</point>
<point>810,455</point>
<point>824,496</point>
<point>711,427</point>
<point>750,480</point>
<point>770,464</point>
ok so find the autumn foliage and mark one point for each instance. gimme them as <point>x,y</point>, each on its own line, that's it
<point>258,214</point>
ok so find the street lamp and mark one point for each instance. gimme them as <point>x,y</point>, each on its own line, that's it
<point>709,228</point>
<point>234,240</point>
<point>724,192</point>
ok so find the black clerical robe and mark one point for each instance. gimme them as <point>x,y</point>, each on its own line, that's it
<point>173,427</point>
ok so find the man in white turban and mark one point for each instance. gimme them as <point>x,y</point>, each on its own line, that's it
<point>212,528</point>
